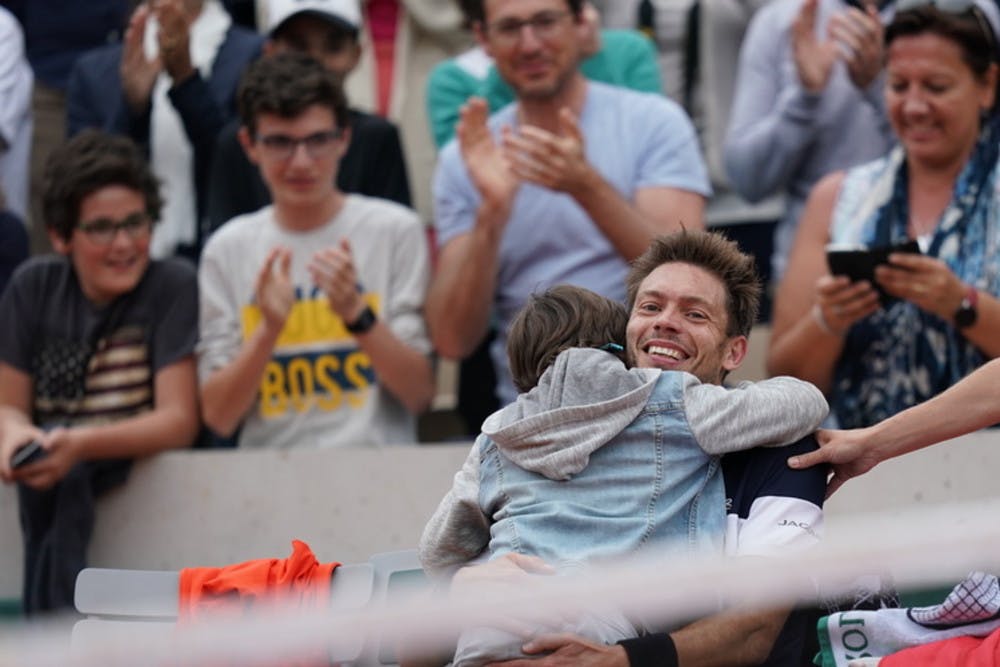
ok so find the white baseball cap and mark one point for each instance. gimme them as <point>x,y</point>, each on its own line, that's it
<point>344,13</point>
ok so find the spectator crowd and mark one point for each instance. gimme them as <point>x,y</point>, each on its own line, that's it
<point>245,225</point>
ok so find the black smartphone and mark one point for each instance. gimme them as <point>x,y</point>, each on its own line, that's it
<point>858,263</point>
<point>26,454</point>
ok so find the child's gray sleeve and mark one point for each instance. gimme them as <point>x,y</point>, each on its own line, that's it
<point>459,530</point>
<point>768,413</point>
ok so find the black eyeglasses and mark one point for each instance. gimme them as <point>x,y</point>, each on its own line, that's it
<point>319,145</point>
<point>542,24</point>
<point>955,7</point>
<point>102,231</point>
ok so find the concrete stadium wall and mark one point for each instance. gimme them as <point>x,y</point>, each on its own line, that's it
<point>217,507</point>
<point>213,508</point>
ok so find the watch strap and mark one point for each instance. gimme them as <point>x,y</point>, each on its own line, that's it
<point>364,322</point>
<point>653,650</point>
<point>967,312</point>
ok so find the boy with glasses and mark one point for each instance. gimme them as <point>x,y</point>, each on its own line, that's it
<point>96,355</point>
<point>311,326</point>
<point>327,30</point>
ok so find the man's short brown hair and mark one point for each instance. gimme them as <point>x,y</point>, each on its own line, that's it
<point>559,318</point>
<point>713,253</point>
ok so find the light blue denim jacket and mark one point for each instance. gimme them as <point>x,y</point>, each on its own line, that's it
<point>599,460</point>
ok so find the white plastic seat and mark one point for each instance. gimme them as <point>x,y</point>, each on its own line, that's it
<point>144,603</point>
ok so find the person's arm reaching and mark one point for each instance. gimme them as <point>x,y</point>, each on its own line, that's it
<point>964,407</point>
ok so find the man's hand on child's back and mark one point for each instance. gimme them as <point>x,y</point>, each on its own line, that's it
<point>568,651</point>
<point>510,572</point>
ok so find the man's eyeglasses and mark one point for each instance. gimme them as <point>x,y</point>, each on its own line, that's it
<point>543,24</point>
<point>319,145</point>
<point>103,231</point>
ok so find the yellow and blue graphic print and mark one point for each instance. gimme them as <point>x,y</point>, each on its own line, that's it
<point>316,363</point>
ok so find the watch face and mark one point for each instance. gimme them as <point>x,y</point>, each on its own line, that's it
<point>965,316</point>
<point>364,322</point>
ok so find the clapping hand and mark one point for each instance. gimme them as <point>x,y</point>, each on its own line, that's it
<point>859,36</point>
<point>814,58</point>
<point>332,270</point>
<point>553,161</point>
<point>488,167</point>
<point>274,291</point>
<point>138,73</point>
<point>174,38</point>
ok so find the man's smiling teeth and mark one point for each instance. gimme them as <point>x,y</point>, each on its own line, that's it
<point>665,351</point>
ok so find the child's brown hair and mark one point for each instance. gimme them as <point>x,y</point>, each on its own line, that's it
<point>559,318</point>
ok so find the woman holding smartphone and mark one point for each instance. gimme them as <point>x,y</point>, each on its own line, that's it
<point>938,186</point>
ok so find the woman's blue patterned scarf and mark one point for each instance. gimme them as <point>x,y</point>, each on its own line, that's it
<point>901,355</point>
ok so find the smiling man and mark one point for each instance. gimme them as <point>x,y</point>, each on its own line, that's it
<point>693,298</point>
<point>565,185</point>
<point>311,326</point>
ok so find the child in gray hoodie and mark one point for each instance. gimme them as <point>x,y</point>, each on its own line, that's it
<point>595,460</point>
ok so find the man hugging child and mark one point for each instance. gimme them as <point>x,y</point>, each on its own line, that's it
<point>595,460</point>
